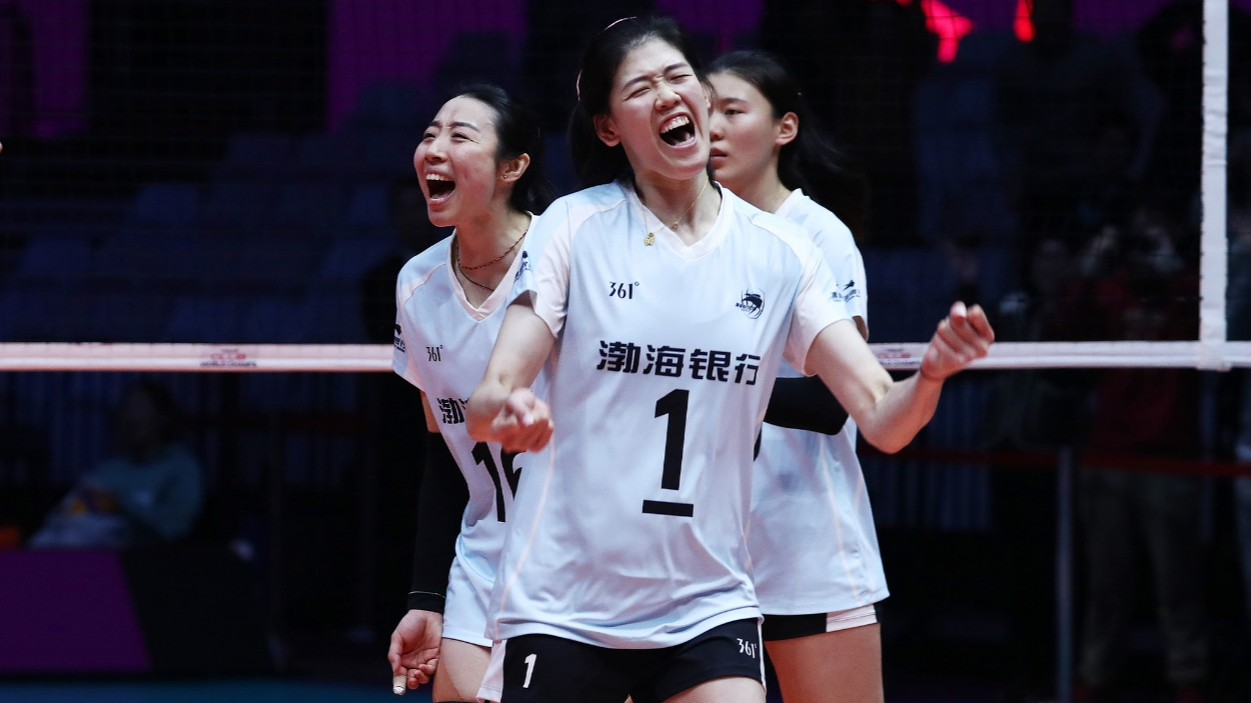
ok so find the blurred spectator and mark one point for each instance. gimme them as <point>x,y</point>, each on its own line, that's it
<point>1170,49</point>
<point>17,76</point>
<point>1137,287</point>
<point>1057,95</point>
<point>1107,188</point>
<point>559,30</point>
<point>412,232</point>
<point>1033,410</point>
<point>1239,315</point>
<point>860,62</point>
<point>390,409</point>
<point>149,492</point>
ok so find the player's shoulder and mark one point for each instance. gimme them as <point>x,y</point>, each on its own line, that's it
<point>417,271</point>
<point>818,220</point>
<point>578,212</point>
<point>585,203</point>
<point>780,229</point>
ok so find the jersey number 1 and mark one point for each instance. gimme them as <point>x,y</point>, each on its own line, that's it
<point>674,406</point>
<point>482,455</point>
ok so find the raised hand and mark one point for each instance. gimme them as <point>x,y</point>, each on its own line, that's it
<point>519,421</point>
<point>964,335</point>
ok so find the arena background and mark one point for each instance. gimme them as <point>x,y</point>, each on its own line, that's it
<point>195,190</point>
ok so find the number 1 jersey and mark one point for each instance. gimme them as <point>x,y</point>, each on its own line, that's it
<point>632,535</point>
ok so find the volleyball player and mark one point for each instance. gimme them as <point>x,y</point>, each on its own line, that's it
<point>477,164</point>
<point>666,304</point>
<point>815,557</point>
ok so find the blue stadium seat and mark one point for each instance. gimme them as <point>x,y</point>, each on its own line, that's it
<point>166,205</point>
<point>367,208</point>
<point>395,103</point>
<point>387,153</point>
<point>259,154</point>
<point>241,203</point>
<point>205,319</point>
<point>277,321</point>
<point>909,292</point>
<point>48,315</point>
<point>477,56</point>
<point>199,263</point>
<point>56,255</point>
<point>336,312</point>
<point>317,205</point>
<point>348,259</point>
<point>129,316</point>
<point>277,264</point>
<point>129,258</point>
<point>558,163</point>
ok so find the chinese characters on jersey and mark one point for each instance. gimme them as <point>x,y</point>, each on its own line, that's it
<point>702,364</point>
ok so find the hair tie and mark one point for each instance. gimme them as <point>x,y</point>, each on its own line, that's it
<point>617,22</point>
<point>577,83</point>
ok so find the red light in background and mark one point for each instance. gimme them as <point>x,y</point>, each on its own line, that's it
<point>1024,24</point>
<point>949,25</point>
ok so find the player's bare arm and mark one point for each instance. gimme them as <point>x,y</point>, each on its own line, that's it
<point>502,408</point>
<point>890,413</point>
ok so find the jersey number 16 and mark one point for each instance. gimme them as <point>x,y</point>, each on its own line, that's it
<point>482,455</point>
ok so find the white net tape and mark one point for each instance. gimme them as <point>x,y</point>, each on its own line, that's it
<point>377,357</point>
<point>1211,351</point>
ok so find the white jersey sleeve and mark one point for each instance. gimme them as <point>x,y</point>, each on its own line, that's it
<point>549,283</point>
<point>837,245</point>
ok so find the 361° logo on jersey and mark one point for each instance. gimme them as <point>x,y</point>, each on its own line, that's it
<point>752,303</point>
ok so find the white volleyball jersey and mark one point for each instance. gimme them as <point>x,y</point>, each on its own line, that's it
<point>633,536</point>
<point>442,345</point>
<point>811,535</point>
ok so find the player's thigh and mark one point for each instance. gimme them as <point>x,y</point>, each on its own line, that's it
<point>461,667</point>
<point>844,666</point>
<point>731,689</point>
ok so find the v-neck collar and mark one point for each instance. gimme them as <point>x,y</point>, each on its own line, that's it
<point>669,238</point>
<point>498,296</point>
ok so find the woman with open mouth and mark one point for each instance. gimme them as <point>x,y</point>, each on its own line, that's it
<point>665,304</point>
<point>478,164</point>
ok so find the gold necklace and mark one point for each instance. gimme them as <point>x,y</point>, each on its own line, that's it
<point>501,256</point>
<point>460,268</point>
<point>650,239</point>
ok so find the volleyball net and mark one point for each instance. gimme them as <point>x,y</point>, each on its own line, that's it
<point>149,225</point>
<point>1061,180</point>
<point>219,194</point>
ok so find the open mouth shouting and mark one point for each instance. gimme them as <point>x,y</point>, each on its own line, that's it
<point>678,131</point>
<point>439,186</point>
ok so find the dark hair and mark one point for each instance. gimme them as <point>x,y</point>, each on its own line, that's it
<point>163,403</point>
<point>517,126</point>
<point>594,162</point>
<point>810,161</point>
